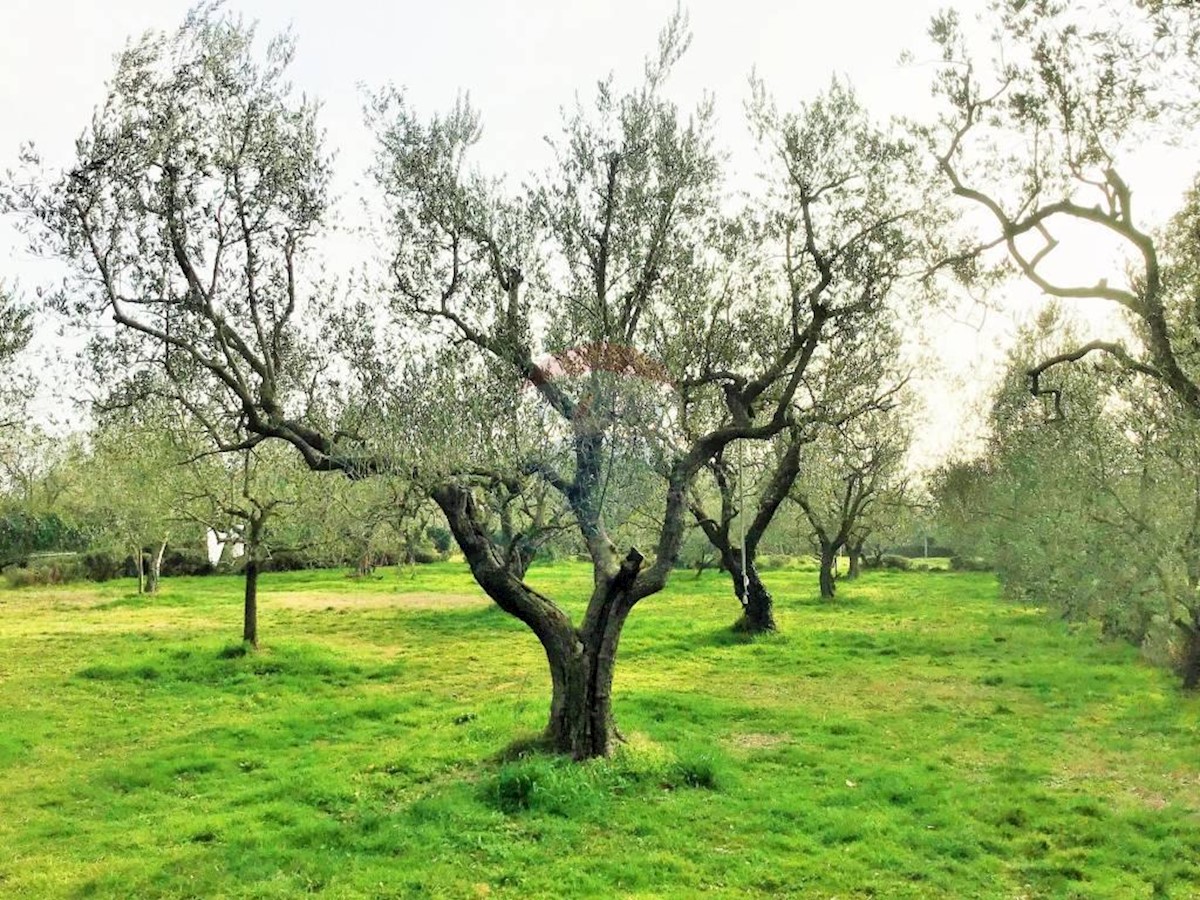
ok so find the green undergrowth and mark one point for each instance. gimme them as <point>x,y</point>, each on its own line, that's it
<point>916,738</point>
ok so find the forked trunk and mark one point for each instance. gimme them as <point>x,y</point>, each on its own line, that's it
<point>581,670</point>
<point>758,608</point>
<point>581,721</point>
<point>581,659</point>
<point>828,560</point>
<point>250,604</point>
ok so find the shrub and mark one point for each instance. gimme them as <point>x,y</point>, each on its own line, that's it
<point>186,561</point>
<point>426,555</point>
<point>441,538</point>
<point>23,534</point>
<point>284,561</point>
<point>53,570</point>
<point>891,561</point>
<point>101,566</point>
<point>698,767</point>
<point>969,564</point>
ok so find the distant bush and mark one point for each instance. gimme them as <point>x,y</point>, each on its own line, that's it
<point>101,566</point>
<point>770,562</point>
<point>23,535</point>
<point>423,556</point>
<point>970,564</point>
<point>45,570</point>
<point>441,538</point>
<point>186,561</point>
<point>892,561</point>
<point>912,551</point>
<point>285,561</point>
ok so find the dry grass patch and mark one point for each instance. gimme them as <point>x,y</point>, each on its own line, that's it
<point>319,600</point>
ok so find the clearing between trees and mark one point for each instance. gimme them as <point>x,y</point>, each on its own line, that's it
<point>917,737</point>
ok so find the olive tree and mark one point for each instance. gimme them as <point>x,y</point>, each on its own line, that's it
<point>1093,513</point>
<point>188,215</point>
<point>851,195</point>
<point>125,484</point>
<point>524,338</point>
<point>242,496</point>
<point>1038,138</point>
<point>846,471</point>
<point>674,334</point>
<point>886,522</point>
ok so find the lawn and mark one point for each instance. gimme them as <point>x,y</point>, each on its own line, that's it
<point>917,737</point>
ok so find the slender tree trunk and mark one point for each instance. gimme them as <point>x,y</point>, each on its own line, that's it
<point>856,557</point>
<point>151,575</point>
<point>1189,662</point>
<point>225,558</point>
<point>828,559</point>
<point>139,557</point>
<point>154,572</point>
<point>250,604</point>
<point>254,545</point>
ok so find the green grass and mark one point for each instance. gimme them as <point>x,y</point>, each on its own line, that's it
<point>916,738</point>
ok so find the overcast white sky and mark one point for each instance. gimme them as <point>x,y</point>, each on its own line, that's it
<point>520,60</point>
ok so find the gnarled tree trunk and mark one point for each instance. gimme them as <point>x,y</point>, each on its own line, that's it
<point>581,670</point>
<point>581,660</point>
<point>856,558</point>
<point>828,561</point>
<point>758,607</point>
<point>1189,663</point>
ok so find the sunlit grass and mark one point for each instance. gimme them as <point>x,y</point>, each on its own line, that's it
<point>915,738</point>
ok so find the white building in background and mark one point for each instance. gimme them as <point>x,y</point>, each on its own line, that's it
<point>216,541</point>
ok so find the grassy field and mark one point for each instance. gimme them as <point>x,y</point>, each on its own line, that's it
<point>915,738</point>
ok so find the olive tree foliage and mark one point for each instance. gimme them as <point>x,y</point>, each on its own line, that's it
<point>16,329</point>
<point>30,463</point>
<point>1094,512</point>
<point>1040,142</point>
<point>126,485</point>
<point>850,198</point>
<point>367,523</point>
<point>1038,138</point>
<point>188,215</point>
<point>895,515</point>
